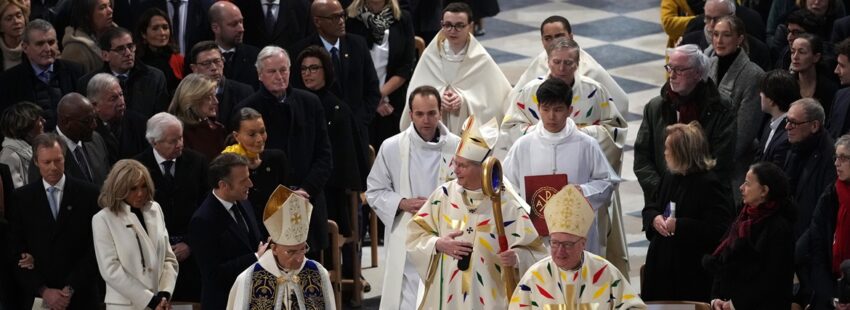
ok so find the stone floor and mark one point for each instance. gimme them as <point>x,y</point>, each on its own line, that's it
<point>625,36</point>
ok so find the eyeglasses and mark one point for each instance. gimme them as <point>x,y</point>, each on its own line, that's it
<point>708,19</point>
<point>792,124</point>
<point>677,71</point>
<point>567,245</point>
<point>207,63</point>
<point>841,158</point>
<point>123,48</point>
<point>311,69</point>
<point>334,17</point>
<point>456,27</point>
<point>299,251</point>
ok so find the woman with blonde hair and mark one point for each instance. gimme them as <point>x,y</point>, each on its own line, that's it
<point>686,220</point>
<point>196,105</point>
<point>131,243</point>
<point>13,20</point>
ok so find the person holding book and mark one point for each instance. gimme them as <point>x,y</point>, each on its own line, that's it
<point>687,219</point>
<point>555,153</point>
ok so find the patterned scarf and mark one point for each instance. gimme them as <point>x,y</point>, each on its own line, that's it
<point>743,224</point>
<point>841,242</point>
<point>377,23</point>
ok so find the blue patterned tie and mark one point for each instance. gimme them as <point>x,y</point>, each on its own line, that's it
<point>51,198</point>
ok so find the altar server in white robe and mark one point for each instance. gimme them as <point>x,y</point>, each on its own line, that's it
<point>408,167</point>
<point>572,278</point>
<point>557,146</point>
<point>283,278</point>
<point>470,82</point>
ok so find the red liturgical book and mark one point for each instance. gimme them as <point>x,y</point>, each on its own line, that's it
<point>538,190</point>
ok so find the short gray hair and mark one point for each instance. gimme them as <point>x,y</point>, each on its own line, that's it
<point>268,52</point>
<point>730,6</point>
<point>37,24</point>
<point>98,84</point>
<point>812,108</point>
<point>843,141</point>
<point>563,43</point>
<point>696,58</point>
<point>157,124</point>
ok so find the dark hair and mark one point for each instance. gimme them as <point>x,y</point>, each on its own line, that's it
<point>142,27</point>
<point>424,91</point>
<point>222,165</point>
<point>843,48</point>
<point>200,47</point>
<point>815,43</point>
<point>46,140</point>
<point>105,39</point>
<point>82,12</point>
<point>781,87</point>
<point>555,91</point>
<point>805,19</point>
<point>779,191</point>
<point>323,56</point>
<point>458,7</point>
<point>244,114</point>
<point>18,120</point>
<point>557,19</point>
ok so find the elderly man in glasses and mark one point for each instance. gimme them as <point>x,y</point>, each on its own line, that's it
<point>689,95</point>
<point>283,278</point>
<point>461,69</point>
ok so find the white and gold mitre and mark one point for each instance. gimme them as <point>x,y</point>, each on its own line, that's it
<point>477,140</point>
<point>568,211</point>
<point>287,217</point>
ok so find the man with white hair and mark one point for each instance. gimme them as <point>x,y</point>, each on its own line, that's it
<point>296,125</point>
<point>687,96</point>
<point>124,133</point>
<point>180,182</point>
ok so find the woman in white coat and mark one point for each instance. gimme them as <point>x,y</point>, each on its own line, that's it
<point>131,243</point>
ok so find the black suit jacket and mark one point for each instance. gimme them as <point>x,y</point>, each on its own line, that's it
<point>181,199</point>
<point>293,23</point>
<point>130,138</point>
<point>232,93</point>
<point>221,248</point>
<point>777,150</point>
<point>359,82</point>
<point>242,67</point>
<point>18,84</point>
<point>838,124</point>
<point>271,172</point>
<point>99,160</point>
<point>197,20</point>
<point>145,91</point>
<point>62,248</point>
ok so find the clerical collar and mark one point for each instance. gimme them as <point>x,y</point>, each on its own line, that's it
<point>450,55</point>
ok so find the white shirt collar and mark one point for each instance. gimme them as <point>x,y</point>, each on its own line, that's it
<point>72,146</point>
<point>264,2</point>
<point>159,158</point>
<point>232,49</point>
<point>59,185</point>
<point>227,204</point>
<point>328,45</point>
<point>775,123</point>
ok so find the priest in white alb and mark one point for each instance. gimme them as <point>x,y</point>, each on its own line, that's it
<point>556,146</point>
<point>572,278</point>
<point>283,278</point>
<point>408,167</point>
<point>470,82</point>
<point>452,240</point>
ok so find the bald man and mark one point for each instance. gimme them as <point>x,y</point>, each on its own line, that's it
<point>228,27</point>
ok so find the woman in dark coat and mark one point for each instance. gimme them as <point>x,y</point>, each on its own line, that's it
<point>349,162</point>
<point>389,33</point>
<point>753,266</point>
<point>157,47</point>
<point>268,167</point>
<point>691,211</point>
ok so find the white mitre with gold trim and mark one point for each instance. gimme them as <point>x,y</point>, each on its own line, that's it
<point>568,211</point>
<point>477,140</point>
<point>287,217</point>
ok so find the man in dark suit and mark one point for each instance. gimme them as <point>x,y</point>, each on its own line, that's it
<point>206,59</point>
<point>356,82</point>
<point>86,152</point>
<point>123,131</point>
<point>778,90</point>
<point>838,124</point>
<point>40,77</point>
<point>296,125</point>
<point>282,23</point>
<point>145,90</point>
<point>224,234</point>
<point>180,179</point>
<point>51,234</point>
<point>239,59</point>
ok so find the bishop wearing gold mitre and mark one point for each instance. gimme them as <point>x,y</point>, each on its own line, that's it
<point>283,278</point>
<point>452,240</point>
<point>572,278</point>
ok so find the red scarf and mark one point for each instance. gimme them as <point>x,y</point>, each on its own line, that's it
<point>841,242</point>
<point>746,219</point>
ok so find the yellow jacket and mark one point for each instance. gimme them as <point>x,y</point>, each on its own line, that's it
<point>675,16</point>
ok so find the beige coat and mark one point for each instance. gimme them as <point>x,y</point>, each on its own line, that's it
<point>135,265</point>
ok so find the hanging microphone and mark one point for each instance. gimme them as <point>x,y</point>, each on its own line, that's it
<point>463,264</point>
